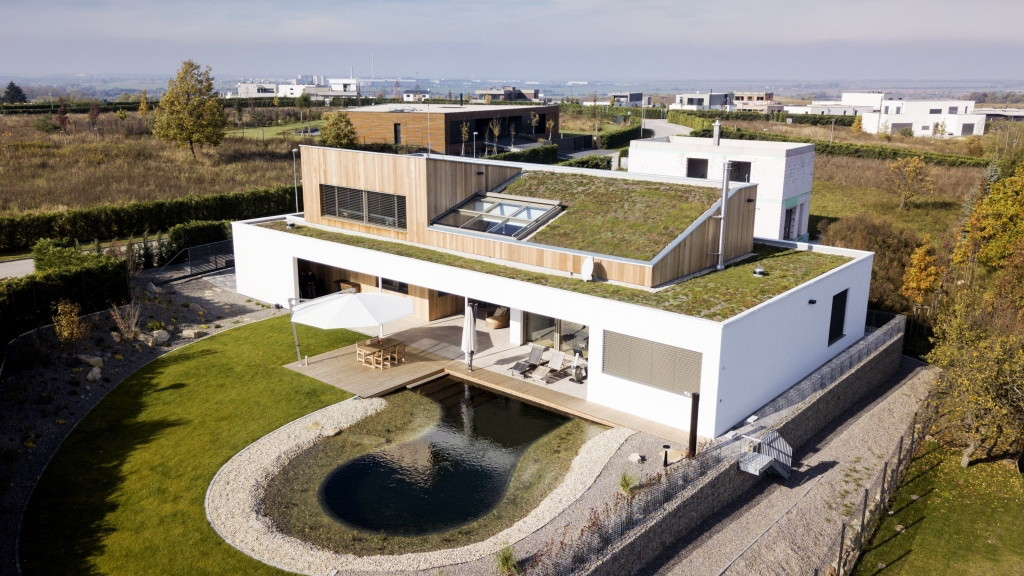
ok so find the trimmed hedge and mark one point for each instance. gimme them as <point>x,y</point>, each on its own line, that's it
<point>197,233</point>
<point>28,302</point>
<point>702,118</point>
<point>595,162</point>
<point>19,232</point>
<point>851,149</point>
<point>547,154</point>
<point>621,137</point>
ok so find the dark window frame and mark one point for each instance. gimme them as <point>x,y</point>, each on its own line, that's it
<point>837,320</point>
<point>364,206</point>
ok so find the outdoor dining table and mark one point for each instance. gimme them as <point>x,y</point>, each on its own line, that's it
<point>376,353</point>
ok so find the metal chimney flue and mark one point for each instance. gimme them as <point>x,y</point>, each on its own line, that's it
<point>726,174</point>
<point>717,135</point>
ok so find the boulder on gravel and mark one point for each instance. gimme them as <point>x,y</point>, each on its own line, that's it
<point>154,289</point>
<point>160,337</point>
<point>194,333</point>
<point>94,361</point>
<point>94,375</point>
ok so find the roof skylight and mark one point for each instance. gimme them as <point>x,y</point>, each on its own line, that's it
<point>503,215</point>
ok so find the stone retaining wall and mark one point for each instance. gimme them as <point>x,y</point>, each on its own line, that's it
<point>725,483</point>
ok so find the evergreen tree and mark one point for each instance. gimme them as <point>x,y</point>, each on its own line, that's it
<point>189,111</point>
<point>338,131</point>
<point>143,104</point>
<point>13,94</point>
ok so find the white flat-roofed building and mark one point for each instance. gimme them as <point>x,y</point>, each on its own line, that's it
<point>440,230</point>
<point>783,172</point>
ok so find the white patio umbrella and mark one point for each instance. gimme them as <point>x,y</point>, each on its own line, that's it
<point>469,334</point>
<point>340,310</point>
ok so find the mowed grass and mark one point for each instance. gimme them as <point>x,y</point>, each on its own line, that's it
<point>125,492</point>
<point>963,521</point>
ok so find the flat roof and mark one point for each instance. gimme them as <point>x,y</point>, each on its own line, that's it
<point>421,108</point>
<point>617,217</point>
<point>717,296</point>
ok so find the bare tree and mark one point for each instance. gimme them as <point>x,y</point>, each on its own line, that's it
<point>495,126</point>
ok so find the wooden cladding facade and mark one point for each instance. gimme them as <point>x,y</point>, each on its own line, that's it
<point>433,185</point>
<point>699,250</point>
<point>440,130</point>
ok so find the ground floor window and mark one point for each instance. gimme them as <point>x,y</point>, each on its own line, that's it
<point>555,333</point>
<point>837,324</point>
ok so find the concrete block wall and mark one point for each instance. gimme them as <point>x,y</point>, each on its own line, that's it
<point>725,483</point>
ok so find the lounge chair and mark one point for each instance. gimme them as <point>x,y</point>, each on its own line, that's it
<point>554,366</point>
<point>535,359</point>
<point>499,319</point>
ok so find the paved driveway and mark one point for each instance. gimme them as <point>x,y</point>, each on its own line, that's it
<point>17,268</point>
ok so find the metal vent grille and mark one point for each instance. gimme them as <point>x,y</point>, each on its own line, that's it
<point>654,364</point>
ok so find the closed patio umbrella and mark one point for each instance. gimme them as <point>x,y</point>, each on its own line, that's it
<point>469,334</point>
<point>358,310</point>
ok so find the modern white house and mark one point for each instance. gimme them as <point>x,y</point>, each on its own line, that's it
<point>935,118</point>
<point>657,281</point>
<point>884,114</point>
<point>703,101</point>
<point>783,172</point>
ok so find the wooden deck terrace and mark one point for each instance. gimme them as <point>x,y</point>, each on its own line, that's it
<point>340,369</point>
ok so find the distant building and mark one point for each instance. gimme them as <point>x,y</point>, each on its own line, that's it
<point>763,102</point>
<point>255,90</point>
<point>508,94</point>
<point>628,99</point>
<point>887,114</point>
<point>415,95</point>
<point>703,101</point>
<point>439,127</point>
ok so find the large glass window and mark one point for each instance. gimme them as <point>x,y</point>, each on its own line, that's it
<point>501,215</point>
<point>558,334</point>
<point>363,206</point>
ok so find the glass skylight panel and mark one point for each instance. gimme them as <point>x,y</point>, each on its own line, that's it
<point>499,215</point>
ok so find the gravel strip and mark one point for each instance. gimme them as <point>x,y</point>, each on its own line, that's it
<point>233,500</point>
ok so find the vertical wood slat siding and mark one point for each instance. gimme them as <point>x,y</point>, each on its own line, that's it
<point>431,186</point>
<point>696,252</point>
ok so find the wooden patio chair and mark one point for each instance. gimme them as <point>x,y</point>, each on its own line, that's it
<point>397,353</point>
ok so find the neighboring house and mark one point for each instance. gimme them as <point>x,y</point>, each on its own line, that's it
<point>255,90</point>
<point>886,114</point>
<point>439,126</point>
<point>627,99</point>
<point>667,336</point>
<point>703,101</point>
<point>763,102</point>
<point>783,172</point>
<point>415,95</point>
<point>936,118</point>
<point>509,94</point>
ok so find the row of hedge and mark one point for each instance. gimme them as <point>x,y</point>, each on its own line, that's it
<point>547,154</point>
<point>19,232</point>
<point>620,138</point>
<point>702,118</point>
<point>29,302</point>
<point>851,149</point>
<point>593,162</point>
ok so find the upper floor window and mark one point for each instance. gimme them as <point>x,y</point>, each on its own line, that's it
<point>364,206</point>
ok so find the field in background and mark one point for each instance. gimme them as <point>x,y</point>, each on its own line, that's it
<point>291,131</point>
<point>117,161</point>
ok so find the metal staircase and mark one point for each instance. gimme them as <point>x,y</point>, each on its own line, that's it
<point>770,452</point>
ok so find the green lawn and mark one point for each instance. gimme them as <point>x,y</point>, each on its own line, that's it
<point>962,521</point>
<point>935,216</point>
<point>125,492</point>
<point>290,131</point>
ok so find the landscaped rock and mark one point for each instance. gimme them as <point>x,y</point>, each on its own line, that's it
<point>160,337</point>
<point>94,375</point>
<point>637,458</point>
<point>116,336</point>
<point>154,289</point>
<point>193,333</point>
<point>198,309</point>
<point>94,361</point>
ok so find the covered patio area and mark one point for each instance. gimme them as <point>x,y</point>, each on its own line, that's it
<point>433,349</point>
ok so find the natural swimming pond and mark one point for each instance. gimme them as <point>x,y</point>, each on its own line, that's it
<point>456,472</point>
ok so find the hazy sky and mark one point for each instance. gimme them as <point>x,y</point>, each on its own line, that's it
<point>520,39</point>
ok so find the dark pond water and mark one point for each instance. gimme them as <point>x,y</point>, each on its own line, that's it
<point>457,472</point>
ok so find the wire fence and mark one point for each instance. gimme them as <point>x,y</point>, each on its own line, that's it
<point>580,547</point>
<point>864,517</point>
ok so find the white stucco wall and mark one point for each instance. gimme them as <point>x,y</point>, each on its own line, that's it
<point>784,173</point>
<point>767,349</point>
<point>746,360</point>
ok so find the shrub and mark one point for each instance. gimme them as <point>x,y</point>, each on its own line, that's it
<point>197,233</point>
<point>539,155</point>
<point>67,325</point>
<point>507,562</point>
<point>595,162</point>
<point>20,231</point>
<point>48,256</point>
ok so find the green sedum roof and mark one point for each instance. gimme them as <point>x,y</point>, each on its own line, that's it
<point>716,296</point>
<point>617,217</point>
